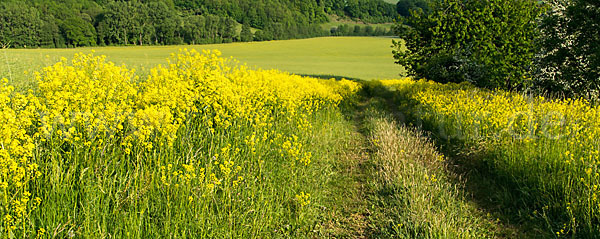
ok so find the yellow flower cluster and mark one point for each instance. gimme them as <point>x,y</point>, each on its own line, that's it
<point>552,141</point>
<point>233,92</point>
<point>92,101</point>
<point>481,114</point>
<point>90,104</point>
<point>163,103</point>
<point>86,102</point>
<point>303,199</point>
<point>292,148</point>
<point>17,170</point>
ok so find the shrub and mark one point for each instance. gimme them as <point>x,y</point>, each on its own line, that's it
<point>570,59</point>
<point>491,42</point>
<point>454,66</point>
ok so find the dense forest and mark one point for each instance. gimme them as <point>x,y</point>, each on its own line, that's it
<point>73,23</point>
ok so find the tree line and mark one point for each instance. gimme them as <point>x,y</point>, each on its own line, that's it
<point>74,23</point>
<point>360,30</point>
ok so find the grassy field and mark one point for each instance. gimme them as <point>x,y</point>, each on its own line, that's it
<point>352,57</point>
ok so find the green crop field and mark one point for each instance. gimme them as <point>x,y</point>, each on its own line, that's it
<point>351,57</point>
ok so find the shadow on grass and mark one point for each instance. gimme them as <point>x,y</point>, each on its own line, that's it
<point>494,190</point>
<point>336,77</point>
<point>358,112</point>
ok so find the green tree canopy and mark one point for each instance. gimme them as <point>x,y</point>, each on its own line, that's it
<point>49,23</point>
<point>570,61</point>
<point>490,43</point>
<point>20,24</point>
<point>246,33</point>
<point>78,32</point>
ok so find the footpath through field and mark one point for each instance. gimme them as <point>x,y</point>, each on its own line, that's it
<point>395,183</point>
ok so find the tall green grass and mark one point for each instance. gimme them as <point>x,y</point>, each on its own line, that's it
<point>111,194</point>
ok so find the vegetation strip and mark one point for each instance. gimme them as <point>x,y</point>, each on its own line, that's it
<point>530,160</point>
<point>202,147</point>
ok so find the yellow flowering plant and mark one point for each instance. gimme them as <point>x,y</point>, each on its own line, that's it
<point>551,142</point>
<point>193,136</point>
<point>17,168</point>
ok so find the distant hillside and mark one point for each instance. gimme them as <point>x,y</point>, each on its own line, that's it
<point>72,23</point>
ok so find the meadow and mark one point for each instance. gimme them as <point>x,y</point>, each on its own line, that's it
<point>350,57</point>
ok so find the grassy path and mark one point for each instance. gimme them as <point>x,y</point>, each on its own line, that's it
<point>345,211</point>
<point>393,183</point>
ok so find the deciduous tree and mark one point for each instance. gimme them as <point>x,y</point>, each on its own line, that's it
<point>490,43</point>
